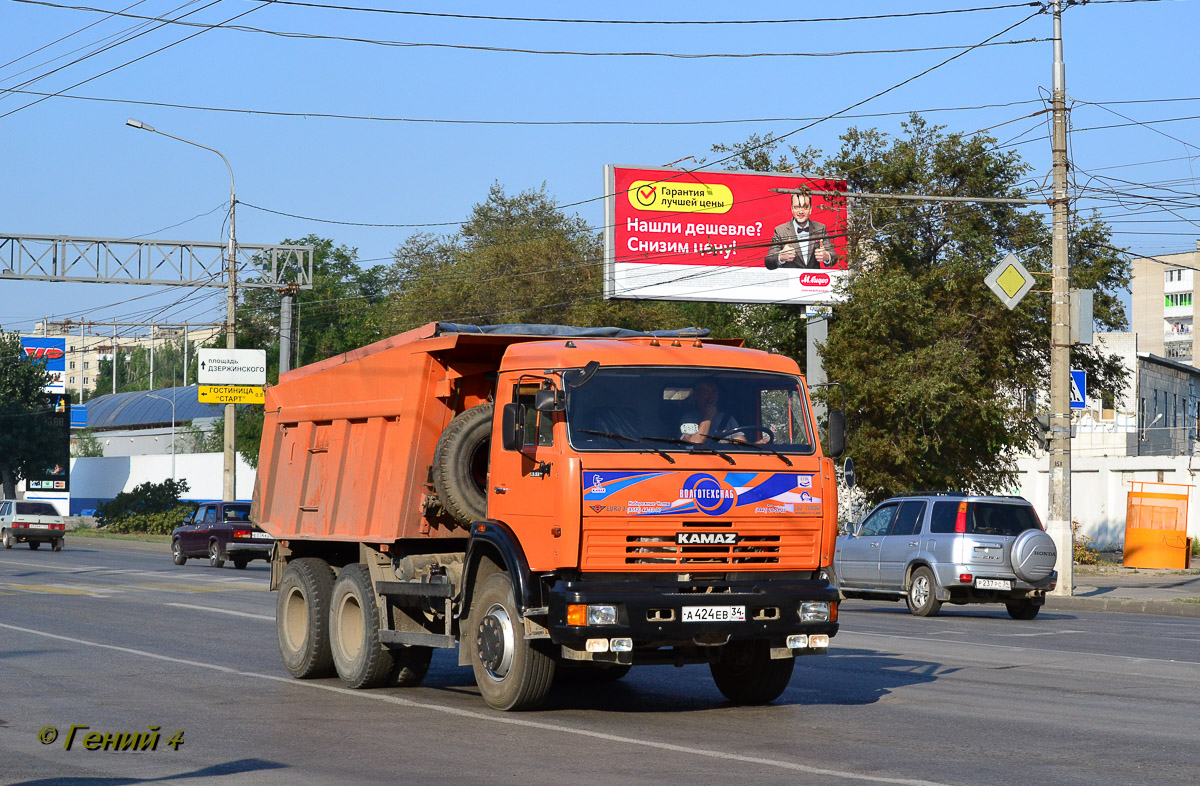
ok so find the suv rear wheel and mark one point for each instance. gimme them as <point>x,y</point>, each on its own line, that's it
<point>922,593</point>
<point>1022,609</point>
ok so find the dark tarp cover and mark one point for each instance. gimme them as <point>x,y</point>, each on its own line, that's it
<point>567,331</point>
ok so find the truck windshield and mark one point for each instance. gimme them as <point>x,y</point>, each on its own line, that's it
<point>682,409</point>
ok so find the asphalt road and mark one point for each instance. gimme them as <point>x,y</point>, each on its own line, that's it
<point>113,636</point>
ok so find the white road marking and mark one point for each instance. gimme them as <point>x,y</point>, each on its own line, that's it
<point>501,719</point>
<point>1040,633</point>
<point>843,634</point>
<point>222,611</point>
<point>45,566</point>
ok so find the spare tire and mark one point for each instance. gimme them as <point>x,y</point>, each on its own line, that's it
<point>1033,555</point>
<point>460,464</point>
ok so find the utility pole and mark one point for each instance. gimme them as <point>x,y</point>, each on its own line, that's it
<point>229,486</point>
<point>287,298</point>
<point>1059,525</point>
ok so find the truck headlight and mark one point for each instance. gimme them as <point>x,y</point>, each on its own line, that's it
<point>601,615</point>
<point>814,611</point>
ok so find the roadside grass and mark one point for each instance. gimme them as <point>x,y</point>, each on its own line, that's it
<point>1187,600</point>
<point>91,532</point>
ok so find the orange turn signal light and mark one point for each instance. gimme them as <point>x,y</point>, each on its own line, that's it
<point>576,614</point>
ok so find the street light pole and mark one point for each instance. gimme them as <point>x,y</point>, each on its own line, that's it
<point>229,483</point>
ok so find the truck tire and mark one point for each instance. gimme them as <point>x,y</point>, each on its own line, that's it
<point>361,661</point>
<point>512,672</point>
<point>745,672</point>
<point>302,617</point>
<point>411,666</point>
<point>460,464</point>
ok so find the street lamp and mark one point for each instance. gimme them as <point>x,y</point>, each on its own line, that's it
<point>230,476</point>
<point>172,402</point>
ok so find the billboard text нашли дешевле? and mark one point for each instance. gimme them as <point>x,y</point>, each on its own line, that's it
<point>675,234</point>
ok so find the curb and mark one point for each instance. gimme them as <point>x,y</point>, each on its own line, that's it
<point>1164,608</point>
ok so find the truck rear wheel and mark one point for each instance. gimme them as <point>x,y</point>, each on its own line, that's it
<point>745,672</point>
<point>361,661</point>
<point>302,617</point>
<point>512,672</point>
<point>460,464</point>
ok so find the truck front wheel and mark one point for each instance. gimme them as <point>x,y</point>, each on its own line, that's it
<point>512,672</point>
<point>746,673</point>
<point>302,617</point>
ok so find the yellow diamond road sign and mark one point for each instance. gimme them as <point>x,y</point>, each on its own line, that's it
<point>1010,281</point>
<point>231,394</point>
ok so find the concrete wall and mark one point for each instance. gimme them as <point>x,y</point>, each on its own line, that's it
<point>95,480</point>
<point>1099,489</point>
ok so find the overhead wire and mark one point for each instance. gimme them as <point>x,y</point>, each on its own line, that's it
<point>516,50</point>
<point>136,59</point>
<point>639,22</point>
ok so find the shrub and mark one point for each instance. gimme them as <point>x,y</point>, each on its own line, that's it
<point>155,523</point>
<point>1085,554</point>
<point>146,500</point>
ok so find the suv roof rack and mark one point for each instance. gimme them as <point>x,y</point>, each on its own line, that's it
<point>933,494</point>
<point>953,494</point>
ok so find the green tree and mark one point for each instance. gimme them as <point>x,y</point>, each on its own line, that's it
<point>86,444</point>
<point>515,259</point>
<point>26,445</point>
<point>133,368</point>
<point>338,314</point>
<point>934,366</point>
<point>247,429</point>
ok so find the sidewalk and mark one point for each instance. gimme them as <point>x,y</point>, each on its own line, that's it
<point>1174,593</point>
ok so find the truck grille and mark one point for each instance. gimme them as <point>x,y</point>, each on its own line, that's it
<point>619,550</point>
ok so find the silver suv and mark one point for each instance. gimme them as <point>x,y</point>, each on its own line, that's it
<point>945,547</point>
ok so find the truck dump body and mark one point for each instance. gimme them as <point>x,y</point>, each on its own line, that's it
<point>543,498</point>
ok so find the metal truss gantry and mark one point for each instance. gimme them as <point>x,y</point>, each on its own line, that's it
<point>158,262</point>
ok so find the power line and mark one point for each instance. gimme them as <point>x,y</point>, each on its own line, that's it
<point>456,121</point>
<point>136,59</point>
<point>911,14</point>
<point>516,50</point>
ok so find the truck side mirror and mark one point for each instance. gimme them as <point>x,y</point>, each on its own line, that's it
<point>512,426</point>
<point>549,400</point>
<point>837,433</point>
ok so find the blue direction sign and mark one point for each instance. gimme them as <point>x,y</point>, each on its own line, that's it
<point>1078,389</point>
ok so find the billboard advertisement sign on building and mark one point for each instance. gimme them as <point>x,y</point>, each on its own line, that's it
<point>53,351</point>
<point>674,234</point>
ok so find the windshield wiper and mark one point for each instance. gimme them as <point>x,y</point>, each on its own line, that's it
<point>611,435</point>
<point>694,447</point>
<point>758,445</point>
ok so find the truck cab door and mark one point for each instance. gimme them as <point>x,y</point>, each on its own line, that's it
<point>525,484</point>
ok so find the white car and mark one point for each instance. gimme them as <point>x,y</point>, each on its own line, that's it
<point>34,523</point>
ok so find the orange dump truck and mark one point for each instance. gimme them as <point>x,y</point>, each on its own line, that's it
<point>549,498</point>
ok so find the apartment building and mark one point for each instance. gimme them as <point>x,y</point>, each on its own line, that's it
<point>89,343</point>
<point>1164,304</point>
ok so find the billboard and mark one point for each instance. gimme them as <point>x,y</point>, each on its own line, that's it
<point>51,350</point>
<point>55,420</point>
<point>675,234</point>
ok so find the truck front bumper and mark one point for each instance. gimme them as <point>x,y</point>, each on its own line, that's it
<point>653,613</point>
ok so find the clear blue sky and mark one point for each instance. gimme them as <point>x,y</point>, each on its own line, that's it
<point>72,167</point>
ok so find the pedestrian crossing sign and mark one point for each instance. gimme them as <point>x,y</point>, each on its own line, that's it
<point>1078,389</point>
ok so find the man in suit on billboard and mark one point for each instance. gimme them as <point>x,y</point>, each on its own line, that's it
<point>801,242</point>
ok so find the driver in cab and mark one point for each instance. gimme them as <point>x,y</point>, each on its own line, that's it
<point>705,421</point>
